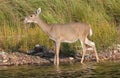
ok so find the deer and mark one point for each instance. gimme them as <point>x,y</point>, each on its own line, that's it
<point>68,33</point>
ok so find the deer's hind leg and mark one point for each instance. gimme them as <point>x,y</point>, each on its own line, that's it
<point>83,49</point>
<point>92,44</point>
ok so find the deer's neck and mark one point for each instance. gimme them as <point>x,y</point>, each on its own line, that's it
<point>43,26</point>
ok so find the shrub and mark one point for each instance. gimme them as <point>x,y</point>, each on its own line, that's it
<point>102,15</point>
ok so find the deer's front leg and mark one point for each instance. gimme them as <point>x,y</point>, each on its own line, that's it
<point>55,53</point>
<point>56,57</point>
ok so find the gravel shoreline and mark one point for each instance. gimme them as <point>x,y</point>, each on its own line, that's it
<point>41,56</point>
<point>17,58</point>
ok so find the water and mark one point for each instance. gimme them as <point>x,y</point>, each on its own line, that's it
<point>88,70</point>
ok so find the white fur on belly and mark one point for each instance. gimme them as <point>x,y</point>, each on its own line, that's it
<point>70,41</point>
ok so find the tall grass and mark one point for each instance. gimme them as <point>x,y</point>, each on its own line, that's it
<point>103,16</point>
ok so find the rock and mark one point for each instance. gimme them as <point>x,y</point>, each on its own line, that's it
<point>41,51</point>
<point>71,58</point>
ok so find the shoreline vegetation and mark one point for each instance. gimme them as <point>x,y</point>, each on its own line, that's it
<point>17,38</point>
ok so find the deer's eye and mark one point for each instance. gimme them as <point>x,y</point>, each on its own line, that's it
<point>30,15</point>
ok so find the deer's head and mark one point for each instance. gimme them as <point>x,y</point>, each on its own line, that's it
<point>33,17</point>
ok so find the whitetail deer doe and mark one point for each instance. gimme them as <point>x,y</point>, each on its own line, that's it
<point>64,33</point>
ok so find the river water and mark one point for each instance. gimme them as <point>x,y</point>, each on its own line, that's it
<point>87,70</point>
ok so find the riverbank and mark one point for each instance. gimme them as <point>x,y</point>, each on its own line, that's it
<point>18,58</point>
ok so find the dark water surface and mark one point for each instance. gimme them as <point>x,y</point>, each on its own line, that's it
<point>88,70</point>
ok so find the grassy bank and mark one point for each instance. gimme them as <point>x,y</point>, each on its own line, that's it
<point>104,16</point>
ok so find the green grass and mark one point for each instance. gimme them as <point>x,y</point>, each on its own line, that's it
<point>103,15</point>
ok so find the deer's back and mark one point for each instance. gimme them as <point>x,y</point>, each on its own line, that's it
<point>70,28</point>
<point>69,32</point>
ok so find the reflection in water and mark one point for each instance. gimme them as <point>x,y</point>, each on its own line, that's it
<point>57,69</point>
<point>92,70</point>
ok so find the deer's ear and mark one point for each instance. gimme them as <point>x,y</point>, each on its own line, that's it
<point>38,11</point>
